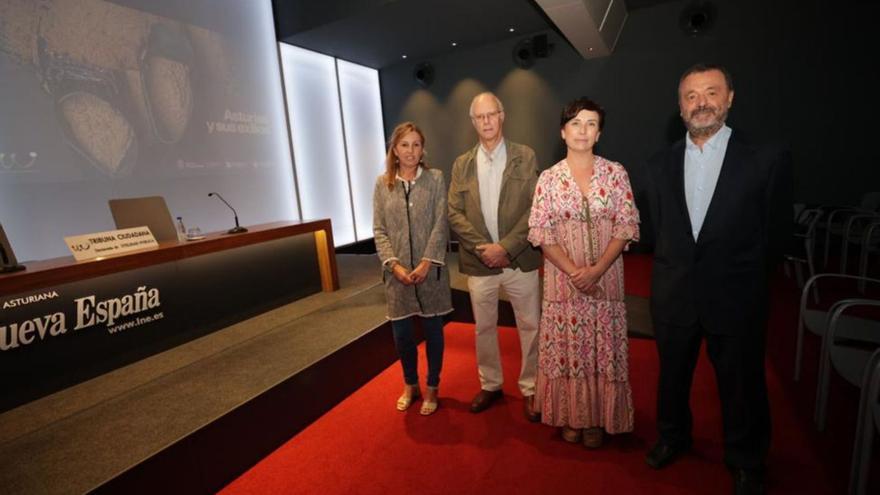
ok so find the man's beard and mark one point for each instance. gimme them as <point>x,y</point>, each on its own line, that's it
<point>705,131</point>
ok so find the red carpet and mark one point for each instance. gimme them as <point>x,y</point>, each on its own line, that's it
<point>637,273</point>
<point>365,446</point>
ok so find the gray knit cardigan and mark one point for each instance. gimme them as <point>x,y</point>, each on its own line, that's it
<point>410,226</point>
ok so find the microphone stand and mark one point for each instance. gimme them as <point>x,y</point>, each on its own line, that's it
<point>238,228</point>
<point>7,265</point>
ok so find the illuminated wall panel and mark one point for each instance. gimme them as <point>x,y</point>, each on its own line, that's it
<point>318,144</point>
<point>364,135</point>
<point>335,113</point>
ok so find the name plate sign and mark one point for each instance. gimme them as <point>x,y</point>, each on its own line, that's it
<point>110,243</point>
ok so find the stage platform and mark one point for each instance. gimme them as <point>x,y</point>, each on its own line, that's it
<point>192,418</point>
<point>77,439</point>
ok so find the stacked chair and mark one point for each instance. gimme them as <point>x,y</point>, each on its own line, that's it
<point>801,253</point>
<point>850,332</point>
<point>848,223</point>
<point>867,427</point>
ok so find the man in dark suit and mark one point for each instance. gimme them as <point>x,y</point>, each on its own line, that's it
<point>721,210</point>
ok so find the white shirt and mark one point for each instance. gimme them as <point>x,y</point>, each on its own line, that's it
<point>701,171</point>
<point>490,172</point>
<point>408,183</point>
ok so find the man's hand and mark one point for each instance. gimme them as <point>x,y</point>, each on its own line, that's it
<point>493,255</point>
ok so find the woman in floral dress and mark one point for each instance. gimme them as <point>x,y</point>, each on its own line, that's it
<point>583,216</point>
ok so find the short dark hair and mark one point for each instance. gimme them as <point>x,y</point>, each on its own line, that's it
<point>698,68</point>
<point>574,107</point>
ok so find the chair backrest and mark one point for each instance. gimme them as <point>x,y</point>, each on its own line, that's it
<point>849,343</point>
<point>813,282</point>
<point>871,233</point>
<point>871,201</point>
<point>808,218</point>
<point>812,285</point>
<point>150,211</point>
<point>857,328</point>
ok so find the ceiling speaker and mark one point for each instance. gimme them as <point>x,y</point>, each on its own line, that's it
<point>698,18</point>
<point>424,74</point>
<point>540,46</point>
<point>524,54</point>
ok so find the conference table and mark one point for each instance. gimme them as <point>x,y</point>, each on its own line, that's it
<point>48,273</point>
<point>64,321</point>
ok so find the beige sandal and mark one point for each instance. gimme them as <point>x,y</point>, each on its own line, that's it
<point>410,394</point>
<point>429,406</point>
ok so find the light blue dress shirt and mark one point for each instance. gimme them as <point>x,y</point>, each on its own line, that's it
<point>701,171</point>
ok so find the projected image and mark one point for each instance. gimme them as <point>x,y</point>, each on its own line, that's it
<point>124,84</point>
<point>108,99</point>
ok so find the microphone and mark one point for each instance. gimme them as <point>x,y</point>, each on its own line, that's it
<point>238,228</point>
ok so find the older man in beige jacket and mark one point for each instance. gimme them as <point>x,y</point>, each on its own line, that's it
<point>490,197</point>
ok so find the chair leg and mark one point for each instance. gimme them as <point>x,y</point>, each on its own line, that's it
<point>861,457</point>
<point>812,270</point>
<point>820,411</point>
<point>799,275</point>
<point>865,253</point>
<point>827,244</point>
<point>799,352</point>
<point>865,428</point>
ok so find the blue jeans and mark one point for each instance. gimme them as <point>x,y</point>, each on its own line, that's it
<point>406,348</point>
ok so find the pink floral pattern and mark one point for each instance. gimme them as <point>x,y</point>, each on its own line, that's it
<point>583,373</point>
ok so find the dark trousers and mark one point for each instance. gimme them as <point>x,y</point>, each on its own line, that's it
<point>406,348</point>
<point>739,371</point>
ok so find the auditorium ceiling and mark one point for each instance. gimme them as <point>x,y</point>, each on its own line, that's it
<point>379,33</point>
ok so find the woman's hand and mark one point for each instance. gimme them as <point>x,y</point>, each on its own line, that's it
<point>401,274</point>
<point>419,275</point>
<point>585,277</point>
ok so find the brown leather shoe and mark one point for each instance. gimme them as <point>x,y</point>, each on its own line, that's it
<point>484,399</point>
<point>532,415</point>
<point>571,435</point>
<point>592,437</point>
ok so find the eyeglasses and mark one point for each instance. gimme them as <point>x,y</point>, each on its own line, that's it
<point>487,115</point>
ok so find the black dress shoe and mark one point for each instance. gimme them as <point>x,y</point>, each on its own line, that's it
<point>663,454</point>
<point>484,399</point>
<point>748,482</point>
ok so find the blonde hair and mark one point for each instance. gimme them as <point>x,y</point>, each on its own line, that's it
<point>391,162</point>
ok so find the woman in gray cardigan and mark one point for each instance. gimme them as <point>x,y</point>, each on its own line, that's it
<point>410,228</point>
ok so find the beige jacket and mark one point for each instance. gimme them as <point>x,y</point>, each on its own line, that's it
<point>466,216</point>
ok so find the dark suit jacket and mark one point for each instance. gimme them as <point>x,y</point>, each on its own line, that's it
<point>719,280</point>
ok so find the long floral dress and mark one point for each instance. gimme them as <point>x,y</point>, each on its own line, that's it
<point>583,373</point>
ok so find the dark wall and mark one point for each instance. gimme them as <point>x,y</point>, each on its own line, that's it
<point>796,77</point>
